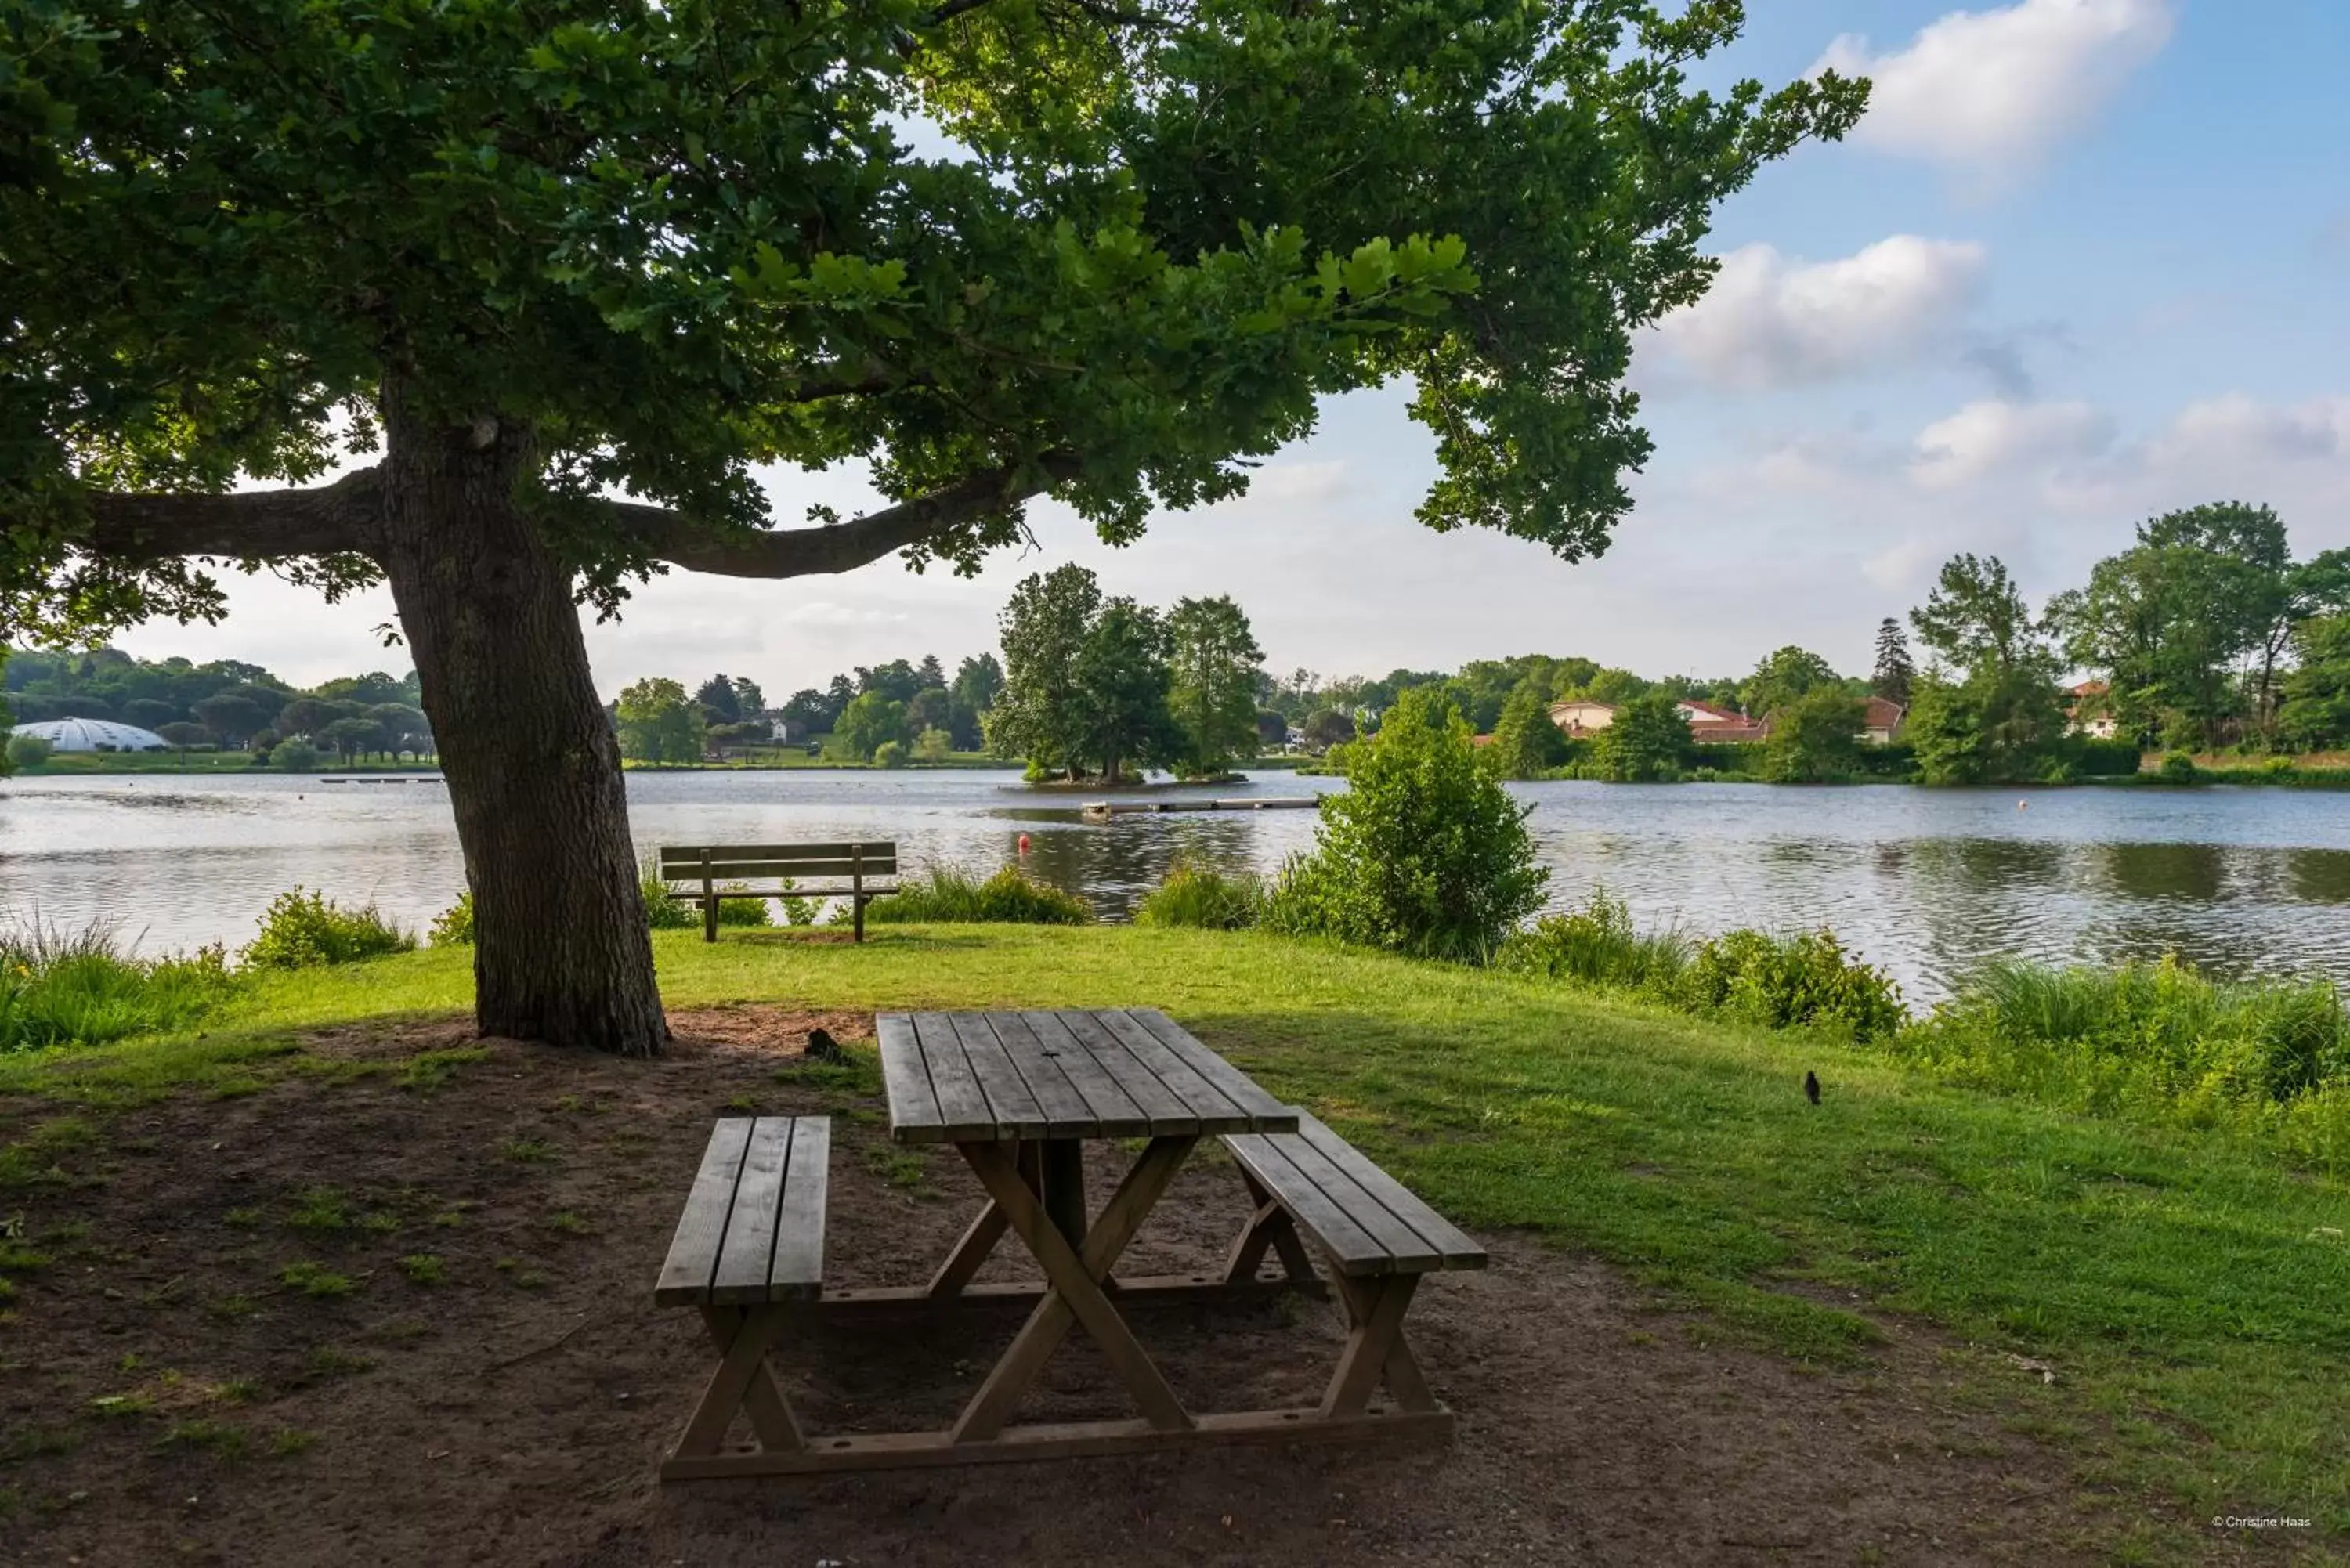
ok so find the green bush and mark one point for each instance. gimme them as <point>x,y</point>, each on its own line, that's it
<point>1426,853</point>
<point>454,927</point>
<point>2177,768</point>
<point>1597,945</point>
<point>293,757</point>
<point>28,751</point>
<point>889,754</point>
<point>945,894</point>
<point>2108,759</point>
<point>82,989</point>
<point>1197,895</point>
<point>301,930</point>
<point>1783,982</point>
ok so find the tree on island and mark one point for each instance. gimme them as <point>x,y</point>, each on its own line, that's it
<point>1989,711</point>
<point>657,723</point>
<point>1085,681</point>
<point>1212,659</point>
<point>514,263</point>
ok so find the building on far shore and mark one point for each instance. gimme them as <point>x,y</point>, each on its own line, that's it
<point>1715,726</point>
<point>2090,710</point>
<point>1881,720</point>
<point>93,735</point>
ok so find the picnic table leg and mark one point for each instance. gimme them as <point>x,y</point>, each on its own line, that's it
<point>1269,1228</point>
<point>1074,1276</point>
<point>1376,1348</point>
<point>1063,1167</point>
<point>979,1238</point>
<point>743,1381</point>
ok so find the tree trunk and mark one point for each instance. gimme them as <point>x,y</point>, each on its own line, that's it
<point>561,951</point>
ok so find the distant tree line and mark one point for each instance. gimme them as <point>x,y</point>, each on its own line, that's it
<point>225,704</point>
<point>889,713</point>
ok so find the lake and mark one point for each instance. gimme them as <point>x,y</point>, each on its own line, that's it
<point>1926,882</point>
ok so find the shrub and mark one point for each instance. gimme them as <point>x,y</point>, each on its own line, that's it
<point>293,757</point>
<point>1597,945</point>
<point>933,745</point>
<point>301,930</point>
<point>1208,899</point>
<point>889,754</point>
<point>2108,759</point>
<point>945,894</point>
<point>454,927</point>
<point>1426,853</point>
<point>664,913</point>
<point>1786,981</point>
<point>2177,768</point>
<point>28,751</point>
<point>82,989</point>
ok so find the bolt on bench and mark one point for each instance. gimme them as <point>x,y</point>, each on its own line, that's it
<point>726,871</point>
<point>1015,1093</point>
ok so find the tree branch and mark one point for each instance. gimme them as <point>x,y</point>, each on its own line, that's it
<point>262,524</point>
<point>845,546</point>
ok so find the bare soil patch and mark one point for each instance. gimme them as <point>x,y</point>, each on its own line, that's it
<point>395,1309</point>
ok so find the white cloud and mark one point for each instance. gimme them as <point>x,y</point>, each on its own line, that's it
<point>1993,438</point>
<point>1773,320</point>
<point>1991,91</point>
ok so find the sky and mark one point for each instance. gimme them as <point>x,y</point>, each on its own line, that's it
<point>2084,262</point>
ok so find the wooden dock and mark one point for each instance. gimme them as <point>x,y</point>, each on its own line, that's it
<point>1103,810</point>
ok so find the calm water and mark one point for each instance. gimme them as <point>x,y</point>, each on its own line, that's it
<point>1925,882</point>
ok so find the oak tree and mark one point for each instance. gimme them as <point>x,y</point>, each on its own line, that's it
<point>548,281</point>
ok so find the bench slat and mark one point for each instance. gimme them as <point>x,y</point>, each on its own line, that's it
<point>1458,1249</point>
<point>1407,1252</point>
<point>797,1272</point>
<point>684,854</point>
<point>693,1251</point>
<point>1353,1249</point>
<point>748,1250</point>
<point>743,871</point>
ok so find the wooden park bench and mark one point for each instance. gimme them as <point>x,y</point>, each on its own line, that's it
<point>1378,1238</point>
<point>729,872</point>
<point>748,1252</point>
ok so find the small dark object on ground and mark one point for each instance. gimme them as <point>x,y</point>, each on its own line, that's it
<point>823,1048</point>
<point>1811,1086</point>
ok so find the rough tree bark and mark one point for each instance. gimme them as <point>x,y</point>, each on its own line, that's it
<point>561,951</point>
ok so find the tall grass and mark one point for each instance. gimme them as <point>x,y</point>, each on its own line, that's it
<point>944,893</point>
<point>1200,896</point>
<point>83,988</point>
<point>1598,945</point>
<point>2154,1040</point>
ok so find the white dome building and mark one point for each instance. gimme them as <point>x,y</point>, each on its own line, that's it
<point>94,735</point>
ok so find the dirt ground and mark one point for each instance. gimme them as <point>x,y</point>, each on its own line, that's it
<point>470,1368</point>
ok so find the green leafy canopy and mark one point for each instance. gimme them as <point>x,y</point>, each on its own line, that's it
<point>1117,252</point>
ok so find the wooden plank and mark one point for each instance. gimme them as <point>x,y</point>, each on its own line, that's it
<point>693,1250</point>
<point>1212,1108</point>
<point>1045,1049</point>
<point>1131,1293</point>
<point>1458,1249</point>
<point>1408,1251</point>
<point>906,1077</point>
<point>1163,1106</point>
<point>693,851</point>
<point>749,1248</point>
<point>746,868</point>
<point>1237,1086</point>
<point>1014,1109</point>
<point>796,890</point>
<point>1354,1249</point>
<point>964,1111</point>
<point>797,1271</point>
<point>1072,1440</point>
<point>1066,1111</point>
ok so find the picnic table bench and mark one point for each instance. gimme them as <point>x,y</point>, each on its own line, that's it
<point>728,871</point>
<point>1016,1094</point>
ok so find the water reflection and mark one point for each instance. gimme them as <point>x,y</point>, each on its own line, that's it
<point>1927,883</point>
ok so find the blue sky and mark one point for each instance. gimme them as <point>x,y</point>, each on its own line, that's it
<point>2084,262</point>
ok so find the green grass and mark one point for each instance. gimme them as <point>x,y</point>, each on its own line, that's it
<point>2187,1286</point>
<point>944,893</point>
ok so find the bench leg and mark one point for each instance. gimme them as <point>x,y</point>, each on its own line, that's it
<point>744,1382</point>
<point>1270,1228</point>
<point>710,920</point>
<point>1376,1348</point>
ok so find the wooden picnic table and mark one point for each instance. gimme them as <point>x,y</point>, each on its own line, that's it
<point>1018,1094</point>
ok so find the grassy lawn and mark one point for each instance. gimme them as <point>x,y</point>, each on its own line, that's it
<point>2169,1307</point>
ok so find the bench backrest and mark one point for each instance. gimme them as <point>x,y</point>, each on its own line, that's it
<point>744,862</point>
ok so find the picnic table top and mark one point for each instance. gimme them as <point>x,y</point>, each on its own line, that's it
<point>978,1077</point>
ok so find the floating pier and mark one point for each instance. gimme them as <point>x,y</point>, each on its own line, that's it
<point>1106,809</point>
<point>385,778</point>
